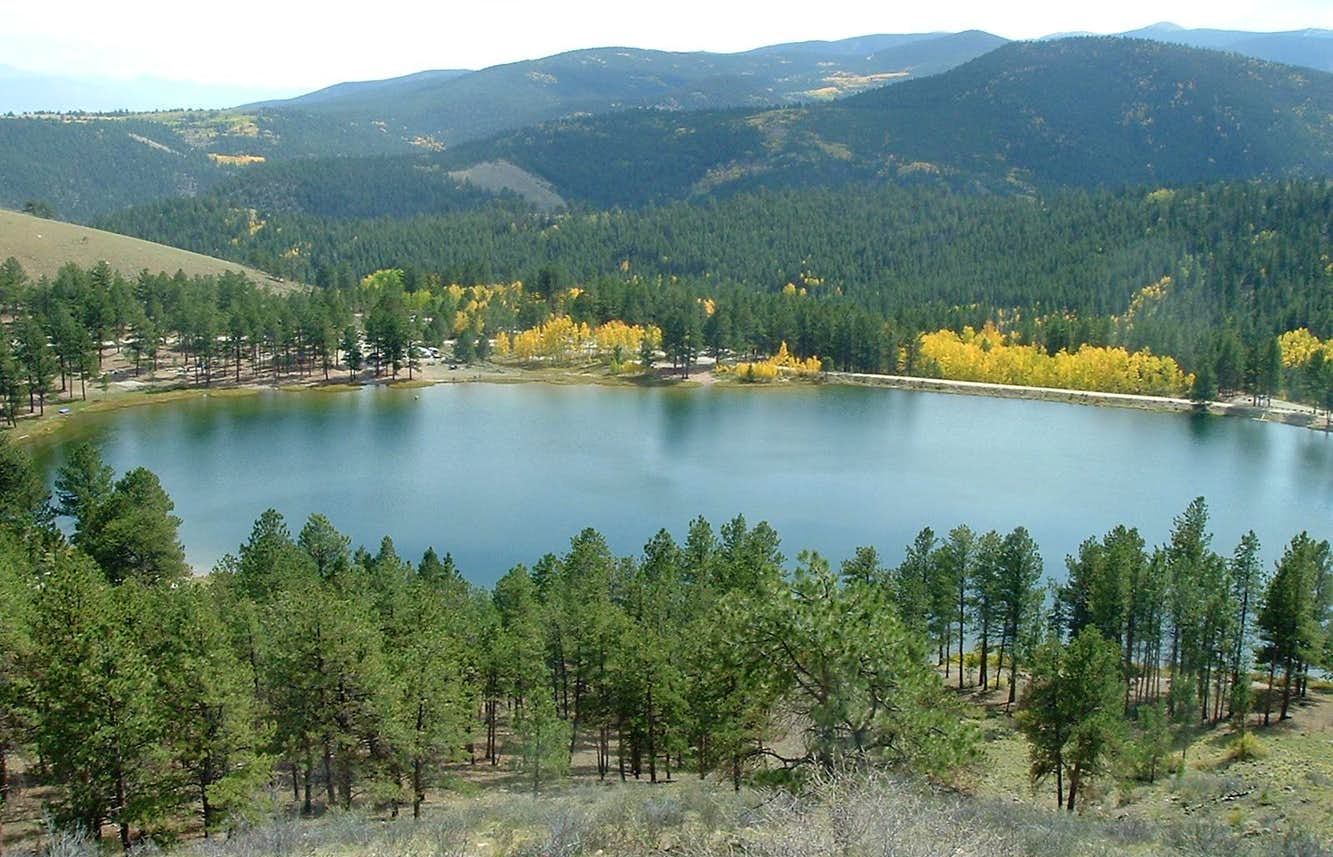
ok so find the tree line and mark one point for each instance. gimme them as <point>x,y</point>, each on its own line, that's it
<point>141,695</point>
<point>225,328</point>
<point>1248,256</point>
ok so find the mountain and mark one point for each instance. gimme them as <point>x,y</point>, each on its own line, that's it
<point>24,91</point>
<point>42,247</point>
<point>357,91</point>
<point>1085,112</point>
<point>1027,117</point>
<point>446,107</point>
<point>1082,112</point>
<point>85,167</point>
<point>1312,48</point>
<point>436,108</point>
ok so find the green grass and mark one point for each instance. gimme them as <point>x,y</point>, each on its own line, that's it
<point>1279,783</point>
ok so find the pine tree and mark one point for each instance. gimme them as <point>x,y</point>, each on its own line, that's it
<point>1292,615</point>
<point>544,739</point>
<point>214,737</point>
<point>1071,713</point>
<point>1020,569</point>
<point>83,486</point>
<point>133,534</point>
<point>428,665</point>
<point>103,720</point>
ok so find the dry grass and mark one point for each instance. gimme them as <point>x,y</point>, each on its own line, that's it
<point>855,815</point>
<point>44,246</point>
<point>502,175</point>
<point>236,160</point>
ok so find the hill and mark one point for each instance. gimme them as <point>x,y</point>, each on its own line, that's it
<point>42,247</point>
<point>450,106</point>
<point>83,167</point>
<point>1311,47</point>
<point>1083,112</point>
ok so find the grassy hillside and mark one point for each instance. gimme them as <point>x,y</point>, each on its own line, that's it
<point>43,246</point>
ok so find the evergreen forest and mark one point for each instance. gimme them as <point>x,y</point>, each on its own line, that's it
<point>146,700</point>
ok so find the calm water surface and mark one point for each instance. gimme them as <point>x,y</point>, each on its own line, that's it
<point>501,474</point>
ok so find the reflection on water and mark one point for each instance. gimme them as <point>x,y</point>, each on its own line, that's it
<point>501,474</point>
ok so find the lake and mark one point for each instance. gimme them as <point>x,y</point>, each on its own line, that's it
<point>500,474</point>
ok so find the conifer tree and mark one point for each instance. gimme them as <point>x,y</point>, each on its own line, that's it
<point>1071,713</point>
<point>103,722</point>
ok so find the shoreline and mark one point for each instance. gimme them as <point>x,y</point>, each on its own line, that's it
<point>1287,414</point>
<point>141,394</point>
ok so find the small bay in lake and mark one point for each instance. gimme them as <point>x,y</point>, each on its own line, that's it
<point>499,474</point>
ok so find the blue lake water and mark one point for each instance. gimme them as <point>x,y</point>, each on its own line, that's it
<point>500,474</point>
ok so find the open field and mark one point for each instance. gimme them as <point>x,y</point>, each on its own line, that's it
<point>44,246</point>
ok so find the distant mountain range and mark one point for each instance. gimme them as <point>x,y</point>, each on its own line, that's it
<point>447,107</point>
<point>1086,112</point>
<point>624,127</point>
<point>33,92</point>
<point>447,103</point>
<point>1311,48</point>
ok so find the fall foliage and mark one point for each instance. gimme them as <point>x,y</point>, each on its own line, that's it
<point>985,355</point>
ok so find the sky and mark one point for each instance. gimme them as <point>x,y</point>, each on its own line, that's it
<point>299,45</point>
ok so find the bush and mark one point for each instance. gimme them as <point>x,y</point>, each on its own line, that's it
<point>1245,747</point>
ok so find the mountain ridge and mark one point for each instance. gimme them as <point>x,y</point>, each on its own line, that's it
<point>1085,112</point>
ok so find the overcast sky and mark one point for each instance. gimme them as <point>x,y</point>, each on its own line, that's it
<point>305,44</point>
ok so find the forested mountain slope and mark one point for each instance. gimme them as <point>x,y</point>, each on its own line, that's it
<point>82,168</point>
<point>1254,255</point>
<point>1028,117</point>
<point>1091,112</point>
<point>1310,47</point>
<point>450,106</point>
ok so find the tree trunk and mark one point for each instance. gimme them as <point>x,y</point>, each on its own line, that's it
<point>205,807</point>
<point>328,775</point>
<point>982,669</point>
<point>1268,697</point>
<point>121,821</point>
<point>1286,690</point>
<point>962,619</point>
<point>1013,680</point>
<point>418,788</point>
